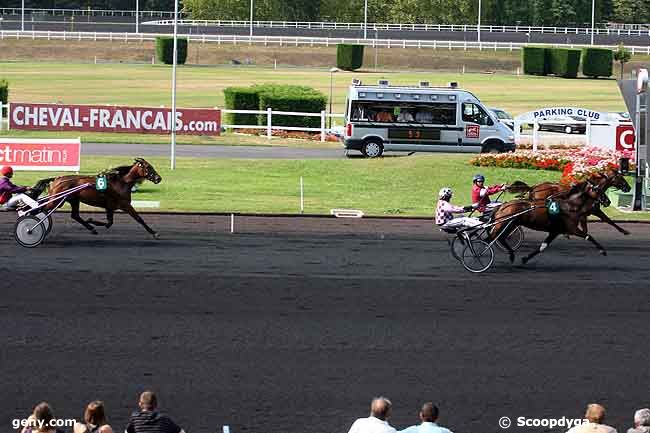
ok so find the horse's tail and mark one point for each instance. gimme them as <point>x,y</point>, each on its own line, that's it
<point>518,187</point>
<point>39,188</point>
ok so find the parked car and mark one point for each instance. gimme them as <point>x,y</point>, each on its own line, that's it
<point>504,117</point>
<point>564,124</point>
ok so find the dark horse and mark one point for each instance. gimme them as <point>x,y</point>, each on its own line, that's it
<point>116,196</point>
<point>610,178</point>
<point>574,205</point>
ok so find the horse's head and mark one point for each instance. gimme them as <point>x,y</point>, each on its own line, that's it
<point>618,181</point>
<point>146,170</point>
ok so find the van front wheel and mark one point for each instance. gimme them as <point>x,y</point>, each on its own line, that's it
<point>493,146</point>
<point>372,149</point>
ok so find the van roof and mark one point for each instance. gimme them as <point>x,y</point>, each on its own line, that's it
<point>388,93</point>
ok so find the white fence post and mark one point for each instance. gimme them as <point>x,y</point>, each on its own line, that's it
<point>535,128</point>
<point>302,196</point>
<point>322,125</point>
<point>269,123</point>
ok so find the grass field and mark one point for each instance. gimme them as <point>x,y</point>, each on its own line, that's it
<point>398,186</point>
<point>149,85</point>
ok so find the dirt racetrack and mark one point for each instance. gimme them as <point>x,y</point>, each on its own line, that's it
<point>291,325</point>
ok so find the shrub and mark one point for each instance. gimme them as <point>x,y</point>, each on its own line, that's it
<point>535,60</point>
<point>349,57</point>
<point>597,62</point>
<point>4,95</point>
<point>165,50</point>
<point>292,98</point>
<point>564,62</point>
<point>242,98</point>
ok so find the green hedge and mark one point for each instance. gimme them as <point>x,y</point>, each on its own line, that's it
<point>564,62</point>
<point>241,98</point>
<point>4,94</point>
<point>165,50</point>
<point>535,60</point>
<point>293,98</point>
<point>597,62</point>
<point>279,98</point>
<point>349,57</point>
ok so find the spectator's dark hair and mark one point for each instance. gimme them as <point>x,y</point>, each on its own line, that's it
<point>148,401</point>
<point>380,408</point>
<point>43,415</point>
<point>429,412</point>
<point>95,413</point>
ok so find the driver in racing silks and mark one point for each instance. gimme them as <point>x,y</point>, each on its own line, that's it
<point>445,212</point>
<point>481,194</point>
<point>9,201</point>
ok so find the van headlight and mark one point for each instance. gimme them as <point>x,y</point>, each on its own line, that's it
<point>511,137</point>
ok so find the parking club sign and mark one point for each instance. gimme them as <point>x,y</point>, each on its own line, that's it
<point>472,131</point>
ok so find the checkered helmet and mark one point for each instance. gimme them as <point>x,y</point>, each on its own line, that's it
<point>445,193</point>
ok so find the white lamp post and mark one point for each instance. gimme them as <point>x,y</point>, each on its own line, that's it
<point>332,72</point>
<point>593,19</point>
<point>478,27</point>
<point>137,16</point>
<point>365,20</point>
<point>251,22</point>
<point>175,57</point>
<point>22,16</point>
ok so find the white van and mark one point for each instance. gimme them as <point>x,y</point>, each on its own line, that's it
<point>420,119</point>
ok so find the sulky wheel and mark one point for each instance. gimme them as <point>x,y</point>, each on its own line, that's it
<point>514,239</point>
<point>477,256</point>
<point>47,223</point>
<point>29,232</point>
<point>457,246</point>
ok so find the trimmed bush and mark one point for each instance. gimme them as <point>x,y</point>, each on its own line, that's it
<point>597,62</point>
<point>349,57</point>
<point>242,98</point>
<point>564,62</point>
<point>292,98</point>
<point>535,60</point>
<point>4,94</point>
<point>165,50</point>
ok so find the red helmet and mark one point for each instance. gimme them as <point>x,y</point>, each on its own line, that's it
<point>6,171</point>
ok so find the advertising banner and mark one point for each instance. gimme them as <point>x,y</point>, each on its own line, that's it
<point>41,155</point>
<point>108,118</point>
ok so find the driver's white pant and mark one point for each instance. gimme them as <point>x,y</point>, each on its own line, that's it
<point>15,201</point>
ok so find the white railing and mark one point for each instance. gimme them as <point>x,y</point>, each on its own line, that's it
<point>269,127</point>
<point>291,40</point>
<point>626,31</point>
<point>85,12</point>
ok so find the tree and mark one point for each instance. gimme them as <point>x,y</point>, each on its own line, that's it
<point>622,55</point>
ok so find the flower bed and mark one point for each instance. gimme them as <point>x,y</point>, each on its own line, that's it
<point>573,163</point>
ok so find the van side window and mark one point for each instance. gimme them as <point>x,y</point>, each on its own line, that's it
<point>475,114</point>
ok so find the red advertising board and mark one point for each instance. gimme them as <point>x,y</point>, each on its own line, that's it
<point>624,138</point>
<point>108,118</point>
<point>39,154</point>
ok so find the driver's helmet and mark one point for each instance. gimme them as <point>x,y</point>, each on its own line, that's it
<point>7,171</point>
<point>478,178</point>
<point>445,193</point>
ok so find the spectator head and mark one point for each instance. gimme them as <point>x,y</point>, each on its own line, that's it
<point>642,418</point>
<point>595,413</point>
<point>380,408</point>
<point>43,416</point>
<point>429,412</point>
<point>95,413</point>
<point>148,401</point>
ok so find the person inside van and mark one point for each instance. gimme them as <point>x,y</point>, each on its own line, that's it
<point>424,116</point>
<point>405,116</point>
<point>384,116</point>
<point>481,194</point>
<point>445,211</point>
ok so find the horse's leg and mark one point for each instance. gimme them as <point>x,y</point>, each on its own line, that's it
<point>551,236</point>
<point>587,236</point>
<point>74,205</point>
<point>107,224</point>
<point>597,212</point>
<point>502,239</point>
<point>129,209</point>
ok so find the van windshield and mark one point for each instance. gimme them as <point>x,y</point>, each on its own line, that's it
<point>403,112</point>
<point>475,114</point>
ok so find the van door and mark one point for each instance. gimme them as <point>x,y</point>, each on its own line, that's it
<point>477,124</point>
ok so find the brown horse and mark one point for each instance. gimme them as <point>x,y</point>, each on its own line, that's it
<point>116,196</point>
<point>610,178</point>
<point>574,204</point>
